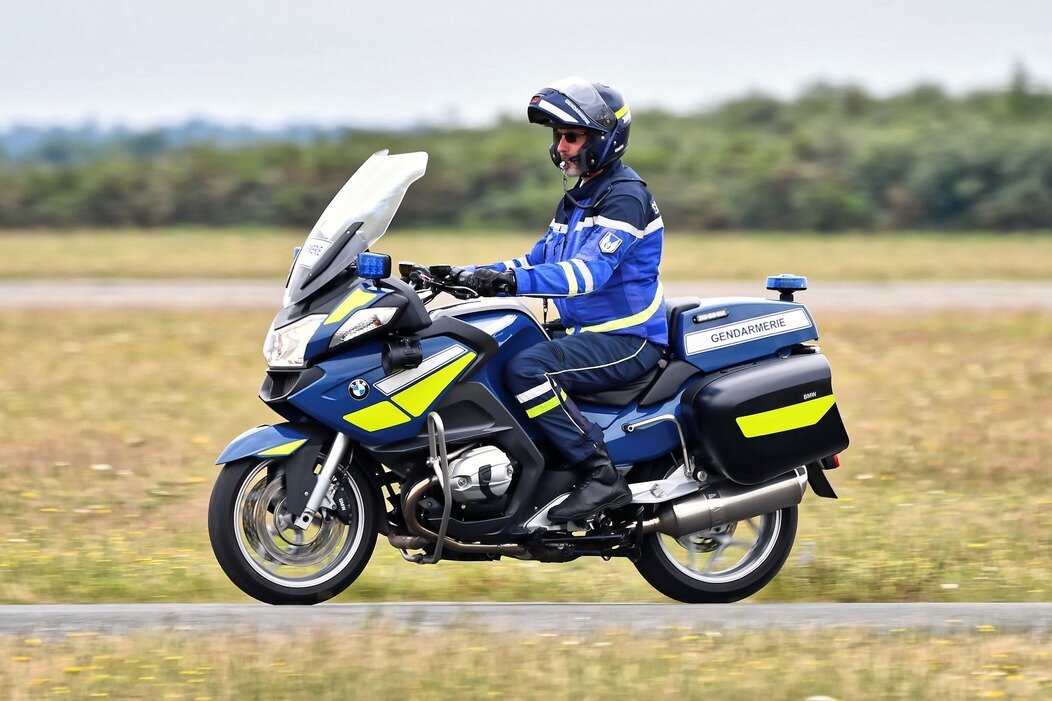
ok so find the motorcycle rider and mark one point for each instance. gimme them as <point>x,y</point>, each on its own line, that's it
<point>598,261</point>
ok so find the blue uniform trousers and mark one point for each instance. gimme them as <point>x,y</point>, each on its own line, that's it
<point>543,376</point>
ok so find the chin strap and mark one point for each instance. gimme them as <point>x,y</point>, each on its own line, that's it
<point>566,189</point>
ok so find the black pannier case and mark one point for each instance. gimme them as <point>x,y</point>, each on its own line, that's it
<point>757,421</point>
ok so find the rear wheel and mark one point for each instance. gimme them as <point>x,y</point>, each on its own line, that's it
<point>266,556</point>
<point>721,564</point>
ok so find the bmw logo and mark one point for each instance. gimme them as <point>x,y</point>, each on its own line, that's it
<point>359,388</point>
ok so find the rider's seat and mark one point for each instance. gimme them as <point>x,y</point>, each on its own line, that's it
<point>659,383</point>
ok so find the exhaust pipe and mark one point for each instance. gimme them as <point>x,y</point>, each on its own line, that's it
<point>727,503</point>
<point>413,498</point>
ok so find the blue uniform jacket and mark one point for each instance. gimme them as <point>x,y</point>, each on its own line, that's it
<point>599,261</point>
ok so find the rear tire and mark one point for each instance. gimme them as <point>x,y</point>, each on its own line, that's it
<point>259,550</point>
<point>719,565</point>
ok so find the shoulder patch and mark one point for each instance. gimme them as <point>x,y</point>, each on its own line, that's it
<point>609,243</point>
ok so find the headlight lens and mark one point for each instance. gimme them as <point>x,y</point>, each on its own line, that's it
<point>362,321</point>
<point>285,347</point>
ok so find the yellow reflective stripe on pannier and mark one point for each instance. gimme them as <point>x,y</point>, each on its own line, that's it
<point>638,318</point>
<point>377,417</point>
<point>418,397</point>
<point>282,450</point>
<point>785,419</point>
<point>354,300</point>
<point>545,406</point>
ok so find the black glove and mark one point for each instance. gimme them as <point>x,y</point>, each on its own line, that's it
<point>458,276</point>
<point>489,283</point>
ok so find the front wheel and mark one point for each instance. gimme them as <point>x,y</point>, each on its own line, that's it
<point>266,556</point>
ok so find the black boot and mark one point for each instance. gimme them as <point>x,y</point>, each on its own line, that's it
<point>601,487</point>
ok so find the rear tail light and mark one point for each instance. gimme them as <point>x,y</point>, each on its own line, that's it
<point>831,463</point>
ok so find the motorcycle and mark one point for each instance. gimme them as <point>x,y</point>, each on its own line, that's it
<point>397,423</point>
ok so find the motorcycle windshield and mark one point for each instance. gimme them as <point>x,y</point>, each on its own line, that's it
<point>354,221</point>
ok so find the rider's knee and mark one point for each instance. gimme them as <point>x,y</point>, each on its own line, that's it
<point>533,363</point>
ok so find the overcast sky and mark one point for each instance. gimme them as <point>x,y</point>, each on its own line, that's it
<point>369,62</point>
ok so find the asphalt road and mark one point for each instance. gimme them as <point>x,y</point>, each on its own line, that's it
<point>58,621</point>
<point>841,296</point>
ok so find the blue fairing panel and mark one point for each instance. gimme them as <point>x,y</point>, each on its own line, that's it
<point>356,395</point>
<point>515,330</point>
<point>280,440</point>
<point>644,443</point>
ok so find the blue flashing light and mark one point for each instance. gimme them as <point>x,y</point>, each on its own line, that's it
<point>786,283</point>
<point>374,266</point>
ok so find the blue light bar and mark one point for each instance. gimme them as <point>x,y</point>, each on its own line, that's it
<point>786,283</point>
<point>374,266</point>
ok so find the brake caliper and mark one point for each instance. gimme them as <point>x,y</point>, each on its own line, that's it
<point>342,500</point>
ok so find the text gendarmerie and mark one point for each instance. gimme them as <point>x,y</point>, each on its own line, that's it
<point>746,331</point>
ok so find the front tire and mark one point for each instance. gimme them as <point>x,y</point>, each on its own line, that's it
<point>266,557</point>
<point>719,565</point>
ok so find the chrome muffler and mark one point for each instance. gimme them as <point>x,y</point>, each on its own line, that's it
<point>716,505</point>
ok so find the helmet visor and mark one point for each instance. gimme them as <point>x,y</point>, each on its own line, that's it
<point>575,101</point>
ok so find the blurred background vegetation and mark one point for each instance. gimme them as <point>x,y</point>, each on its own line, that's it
<point>835,158</point>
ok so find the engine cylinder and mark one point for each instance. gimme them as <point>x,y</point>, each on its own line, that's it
<point>480,474</point>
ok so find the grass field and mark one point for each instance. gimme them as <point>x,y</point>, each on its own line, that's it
<point>112,422</point>
<point>213,253</point>
<point>688,664</point>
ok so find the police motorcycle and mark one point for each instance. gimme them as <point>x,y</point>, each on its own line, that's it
<point>397,423</point>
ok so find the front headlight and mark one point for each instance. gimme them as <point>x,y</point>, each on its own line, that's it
<point>361,322</point>
<point>285,347</point>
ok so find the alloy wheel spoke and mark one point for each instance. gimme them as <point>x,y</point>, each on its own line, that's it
<point>710,564</point>
<point>270,563</point>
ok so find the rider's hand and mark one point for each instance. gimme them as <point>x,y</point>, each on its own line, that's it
<point>458,276</point>
<point>489,283</point>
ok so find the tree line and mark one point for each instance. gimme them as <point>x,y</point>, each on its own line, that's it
<point>834,158</point>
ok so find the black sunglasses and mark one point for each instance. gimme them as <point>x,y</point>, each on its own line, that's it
<point>571,136</point>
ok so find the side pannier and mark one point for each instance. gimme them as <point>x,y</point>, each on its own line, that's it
<point>754,422</point>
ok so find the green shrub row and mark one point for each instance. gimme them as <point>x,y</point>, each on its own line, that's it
<point>832,159</point>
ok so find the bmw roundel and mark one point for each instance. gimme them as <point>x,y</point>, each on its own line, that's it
<point>359,388</point>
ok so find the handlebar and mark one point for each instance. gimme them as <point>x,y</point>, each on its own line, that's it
<point>435,278</point>
<point>458,291</point>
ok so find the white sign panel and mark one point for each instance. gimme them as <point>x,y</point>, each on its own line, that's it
<point>745,331</point>
<point>313,249</point>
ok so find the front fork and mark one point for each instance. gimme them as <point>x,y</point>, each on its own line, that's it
<point>324,482</point>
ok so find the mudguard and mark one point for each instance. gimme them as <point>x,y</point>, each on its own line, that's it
<point>298,444</point>
<point>277,441</point>
<point>818,481</point>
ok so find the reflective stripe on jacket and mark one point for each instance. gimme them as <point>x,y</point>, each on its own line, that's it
<point>599,261</point>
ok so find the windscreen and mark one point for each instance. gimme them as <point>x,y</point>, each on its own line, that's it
<point>355,220</point>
